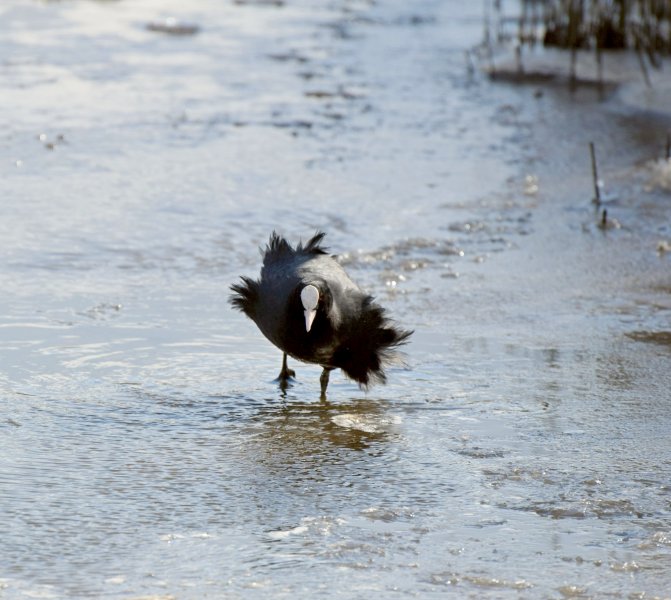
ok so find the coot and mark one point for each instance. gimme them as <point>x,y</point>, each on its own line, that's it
<point>307,306</point>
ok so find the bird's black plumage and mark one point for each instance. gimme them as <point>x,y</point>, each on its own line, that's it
<point>349,332</point>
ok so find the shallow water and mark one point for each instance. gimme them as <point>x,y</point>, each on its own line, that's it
<point>146,450</point>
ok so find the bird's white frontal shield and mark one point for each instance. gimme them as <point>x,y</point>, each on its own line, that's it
<point>310,299</point>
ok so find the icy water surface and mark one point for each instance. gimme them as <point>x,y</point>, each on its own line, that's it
<point>146,451</point>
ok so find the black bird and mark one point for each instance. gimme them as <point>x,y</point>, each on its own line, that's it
<point>307,306</point>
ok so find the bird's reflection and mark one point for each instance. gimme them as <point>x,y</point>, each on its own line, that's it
<point>313,433</point>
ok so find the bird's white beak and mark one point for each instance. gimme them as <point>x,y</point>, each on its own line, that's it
<point>309,317</point>
<point>310,299</point>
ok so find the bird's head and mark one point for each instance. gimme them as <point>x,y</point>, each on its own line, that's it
<point>310,301</point>
<point>319,308</point>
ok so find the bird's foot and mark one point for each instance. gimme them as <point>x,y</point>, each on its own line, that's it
<point>324,381</point>
<point>286,374</point>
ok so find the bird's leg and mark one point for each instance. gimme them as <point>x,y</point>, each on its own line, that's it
<point>286,373</point>
<point>324,380</point>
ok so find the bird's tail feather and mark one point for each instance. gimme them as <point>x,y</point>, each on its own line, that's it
<point>372,345</point>
<point>245,295</point>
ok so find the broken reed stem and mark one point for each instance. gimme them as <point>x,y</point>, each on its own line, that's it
<point>644,69</point>
<point>595,175</point>
<point>599,67</point>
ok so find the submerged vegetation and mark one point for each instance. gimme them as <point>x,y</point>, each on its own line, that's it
<point>643,26</point>
<point>591,24</point>
<point>609,25</point>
